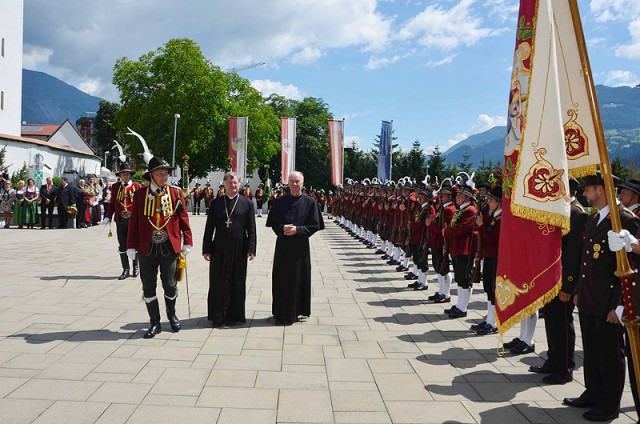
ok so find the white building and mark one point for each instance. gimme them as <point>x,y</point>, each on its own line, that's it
<point>11,17</point>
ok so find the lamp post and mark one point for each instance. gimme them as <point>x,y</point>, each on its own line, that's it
<point>105,158</point>
<point>175,130</point>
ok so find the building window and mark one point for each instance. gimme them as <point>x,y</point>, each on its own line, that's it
<point>2,48</point>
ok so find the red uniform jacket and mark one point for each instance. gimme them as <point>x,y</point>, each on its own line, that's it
<point>489,236</point>
<point>116,205</point>
<point>140,229</point>
<point>418,226</point>
<point>437,241</point>
<point>460,232</point>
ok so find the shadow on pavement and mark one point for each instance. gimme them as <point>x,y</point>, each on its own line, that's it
<point>76,277</point>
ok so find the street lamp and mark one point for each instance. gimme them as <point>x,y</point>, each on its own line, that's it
<point>175,130</point>
<point>106,153</point>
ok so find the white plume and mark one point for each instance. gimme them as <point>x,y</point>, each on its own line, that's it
<point>469,181</point>
<point>121,155</point>
<point>147,154</point>
<point>426,180</point>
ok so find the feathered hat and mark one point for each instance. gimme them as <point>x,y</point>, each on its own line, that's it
<point>468,186</point>
<point>153,162</point>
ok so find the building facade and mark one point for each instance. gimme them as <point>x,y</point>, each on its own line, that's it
<point>11,23</point>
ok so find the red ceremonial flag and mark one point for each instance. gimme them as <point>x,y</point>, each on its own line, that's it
<point>549,133</point>
<point>336,139</point>
<point>288,161</point>
<point>238,126</point>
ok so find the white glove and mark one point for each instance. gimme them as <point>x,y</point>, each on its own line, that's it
<point>620,240</point>
<point>131,254</point>
<point>106,221</point>
<point>186,249</point>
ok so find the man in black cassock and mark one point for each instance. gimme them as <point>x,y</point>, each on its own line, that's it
<point>294,218</point>
<point>229,240</point>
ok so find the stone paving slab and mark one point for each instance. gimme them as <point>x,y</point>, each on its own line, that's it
<point>373,351</point>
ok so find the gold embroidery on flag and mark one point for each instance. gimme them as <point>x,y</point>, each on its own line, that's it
<point>575,139</point>
<point>544,183</point>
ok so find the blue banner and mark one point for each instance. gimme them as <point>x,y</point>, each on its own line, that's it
<point>386,146</point>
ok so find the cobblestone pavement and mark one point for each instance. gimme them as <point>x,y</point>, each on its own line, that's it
<point>373,351</point>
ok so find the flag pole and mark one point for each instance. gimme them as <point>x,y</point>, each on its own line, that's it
<point>623,269</point>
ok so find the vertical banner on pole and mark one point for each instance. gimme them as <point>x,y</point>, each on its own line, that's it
<point>288,147</point>
<point>336,139</point>
<point>386,147</point>
<point>238,126</point>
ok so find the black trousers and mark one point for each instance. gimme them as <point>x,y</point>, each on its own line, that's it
<point>417,258</point>
<point>82,207</point>
<point>436,258</point>
<point>632,374</point>
<point>163,258</point>
<point>604,362</point>
<point>462,271</point>
<point>122,231</point>
<point>46,211</point>
<point>561,336</point>
<point>63,216</point>
<point>489,270</point>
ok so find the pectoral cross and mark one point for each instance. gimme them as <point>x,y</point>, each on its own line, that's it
<point>228,222</point>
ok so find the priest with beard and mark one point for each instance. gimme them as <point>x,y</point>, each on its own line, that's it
<point>294,218</point>
<point>229,240</point>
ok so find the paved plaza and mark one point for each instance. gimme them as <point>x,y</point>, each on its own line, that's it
<point>373,351</point>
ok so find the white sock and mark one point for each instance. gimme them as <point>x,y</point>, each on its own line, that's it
<point>397,254</point>
<point>384,245</point>
<point>414,269</point>
<point>447,285</point>
<point>405,262</point>
<point>440,283</point>
<point>460,299</point>
<point>422,278</point>
<point>491,315</point>
<point>375,239</point>
<point>389,249</point>
<point>526,335</point>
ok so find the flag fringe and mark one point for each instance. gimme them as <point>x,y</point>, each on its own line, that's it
<point>583,171</point>
<point>541,217</point>
<point>530,309</point>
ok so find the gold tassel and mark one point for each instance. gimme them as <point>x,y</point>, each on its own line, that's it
<point>110,233</point>
<point>181,266</point>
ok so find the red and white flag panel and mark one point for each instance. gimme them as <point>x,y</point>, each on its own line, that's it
<point>288,147</point>
<point>238,126</point>
<point>336,139</point>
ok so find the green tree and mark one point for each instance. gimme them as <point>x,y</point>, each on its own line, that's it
<point>177,78</point>
<point>312,142</point>
<point>619,170</point>
<point>20,175</point>
<point>105,125</point>
<point>465,165</point>
<point>359,164</point>
<point>436,164</point>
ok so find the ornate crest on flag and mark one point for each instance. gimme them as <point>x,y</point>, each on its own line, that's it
<point>575,139</point>
<point>543,182</point>
<point>237,144</point>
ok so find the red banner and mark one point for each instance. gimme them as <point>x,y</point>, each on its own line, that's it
<point>336,141</point>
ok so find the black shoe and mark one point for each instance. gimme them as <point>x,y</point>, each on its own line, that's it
<point>413,285</point>
<point>385,256</point>
<point>486,330</point>
<point>442,299</point>
<point>410,276</point>
<point>476,327</point>
<point>171,314</point>
<point>451,309</point>
<point>457,314</point>
<point>153,330</point>
<point>42,228</point>
<point>402,268</point>
<point>125,274</point>
<point>371,246</point>
<point>434,296</point>
<point>379,251</point>
<point>512,343</point>
<point>523,349</point>
<point>578,402</point>
<point>136,269</point>
<point>557,379</point>
<point>421,287</point>
<point>541,369</point>
<point>596,414</point>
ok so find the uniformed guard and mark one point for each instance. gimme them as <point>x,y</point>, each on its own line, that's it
<point>246,191</point>
<point>119,210</point>
<point>419,235</point>
<point>259,199</point>
<point>630,195</point>
<point>196,195</point>
<point>158,227</point>
<point>439,244</point>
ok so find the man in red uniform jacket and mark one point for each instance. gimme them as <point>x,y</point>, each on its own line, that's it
<point>120,211</point>
<point>159,222</point>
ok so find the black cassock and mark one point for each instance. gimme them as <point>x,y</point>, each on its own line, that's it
<point>291,284</point>
<point>228,247</point>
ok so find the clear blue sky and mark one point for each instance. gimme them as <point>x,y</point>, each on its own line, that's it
<point>439,69</point>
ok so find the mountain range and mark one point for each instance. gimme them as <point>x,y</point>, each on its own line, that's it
<point>620,112</point>
<point>47,100</point>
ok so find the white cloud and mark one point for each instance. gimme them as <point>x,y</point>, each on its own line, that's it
<point>456,139</point>
<point>611,10</point>
<point>229,33</point>
<point>376,62</point>
<point>446,29</point>
<point>620,78</point>
<point>90,86</point>
<point>307,55</point>
<point>444,61</point>
<point>267,87</point>
<point>632,50</point>
<point>349,140</point>
<point>34,56</point>
<point>485,122</point>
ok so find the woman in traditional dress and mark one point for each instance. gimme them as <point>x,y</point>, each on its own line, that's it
<point>30,210</point>
<point>6,202</point>
<point>18,205</point>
